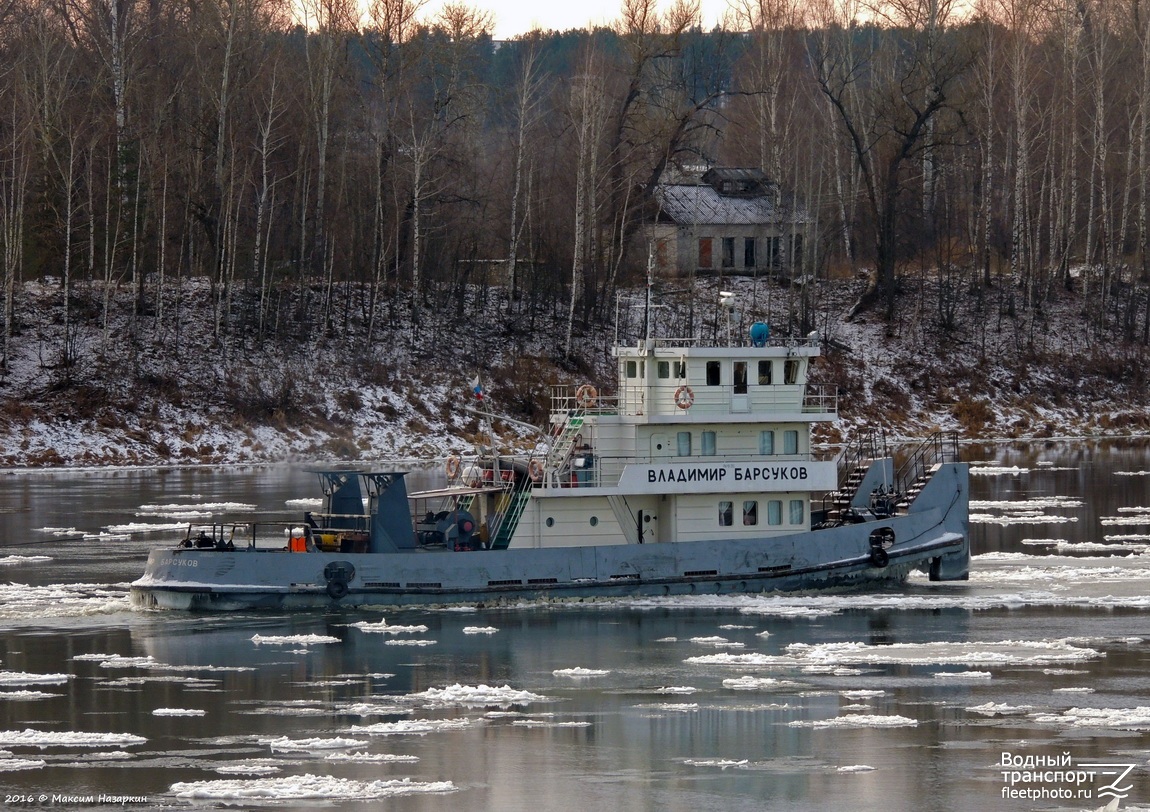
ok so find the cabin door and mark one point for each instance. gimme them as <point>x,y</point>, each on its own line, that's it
<point>660,447</point>
<point>740,400</point>
<point>647,525</point>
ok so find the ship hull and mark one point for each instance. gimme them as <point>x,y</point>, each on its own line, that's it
<point>931,539</point>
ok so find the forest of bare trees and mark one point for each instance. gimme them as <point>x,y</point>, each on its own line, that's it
<point>346,169</point>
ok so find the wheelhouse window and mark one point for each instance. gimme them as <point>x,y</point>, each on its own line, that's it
<point>797,511</point>
<point>714,373</point>
<point>740,377</point>
<point>704,252</point>
<point>681,370</point>
<point>728,252</point>
<point>791,372</point>
<point>775,511</point>
<point>765,373</point>
<point>750,513</point>
<point>726,514</point>
<point>766,443</point>
<point>632,369</point>
<point>708,444</point>
<point>663,369</point>
<point>684,443</point>
<point>790,442</point>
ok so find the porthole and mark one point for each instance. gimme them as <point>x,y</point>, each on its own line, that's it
<point>594,521</point>
<point>550,521</point>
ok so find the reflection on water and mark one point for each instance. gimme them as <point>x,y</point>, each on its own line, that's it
<point>903,699</point>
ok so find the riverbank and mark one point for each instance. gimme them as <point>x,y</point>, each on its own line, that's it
<point>157,390</point>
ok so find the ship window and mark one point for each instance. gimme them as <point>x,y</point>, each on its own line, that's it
<point>663,370</point>
<point>594,521</point>
<point>713,373</point>
<point>684,438</point>
<point>750,513</point>
<point>740,377</point>
<point>791,372</point>
<point>796,511</point>
<point>765,372</point>
<point>790,442</point>
<point>632,369</point>
<point>775,512</point>
<point>680,369</point>
<point>708,444</point>
<point>550,521</point>
<point>726,514</point>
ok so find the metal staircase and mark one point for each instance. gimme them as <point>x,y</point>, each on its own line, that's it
<point>559,454</point>
<point>852,467</point>
<point>912,476</point>
<point>520,495</point>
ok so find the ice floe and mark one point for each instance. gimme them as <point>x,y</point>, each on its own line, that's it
<point>409,642</point>
<point>999,709</point>
<point>10,678</point>
<point>12,560</point>
<point>53,738</point>
<point>1117,718</point>
<point>305,787</point>
<point>962,675</point>
<point>857,720</point>
<point>855,768</point>
<point>293,639</point>
<point>676,690</point>
<point>283,744</point>
<point>40,603</point>
<point>25,695</point>
<point>179,712</point>
<point>371,758</point>
<point>383,627</point>
<point>248,769</point>
<point>1002,652</point>
<point>419,727</point>
<point>721,763</point>
<point>545,723</point>
<point>13,764</point>
<point>479,630</point>
<point>749,683</point>
<point>579,671</point>
<point>476,696</point>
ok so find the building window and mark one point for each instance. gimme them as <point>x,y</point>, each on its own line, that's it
<point>766,443</point>
<point>708,444</point>
<point>790,442</point>
<point>791,372</point>
<point>704,252</point>
<point>684,438</point>
<point>797,511</point>
<point>663,370</point>
<point>740,377</point>
<point>796,250</point>
<point>775,511</point>
<point>773,250</point>
<point>765,372</point>
<point>726,514</point>
<point>750,513</point>
<point>728,252</point>
<point>749,252</point>
<point>713,373</point>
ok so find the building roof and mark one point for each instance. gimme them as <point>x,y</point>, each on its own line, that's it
<point>701,204</point>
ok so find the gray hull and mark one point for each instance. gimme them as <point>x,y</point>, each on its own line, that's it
<point>932,537</point>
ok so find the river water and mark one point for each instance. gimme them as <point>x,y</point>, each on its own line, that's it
<point>1027,687</point>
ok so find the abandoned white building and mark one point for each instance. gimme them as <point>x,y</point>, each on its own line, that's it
<point>725,221</point>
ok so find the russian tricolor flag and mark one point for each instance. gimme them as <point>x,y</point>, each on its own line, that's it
<point>477,388</point>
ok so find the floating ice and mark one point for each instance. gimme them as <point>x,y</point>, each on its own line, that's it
<point>306,787</point>
<point>579,671</point>
<point>371,758</point>
<point>684,690</point>
<point>721,763</point>
<point>179,712</point>
<point>996,470</point>
<point>147,527</point>
<point>411,726</point>
<point>675,707</point>
<point>857,720</point>
<point>856,768</point>
<point>28,602</point>
<point>8,678</point>
<point>1021,518</point>
<point>11,560</point>
<point>1003,652</point>
<point>293,639</point>
<point>542,723</point>
<point>476,696</point>
<point>999,709</point>
<point>304,503</point>
<point>13,764</point>
<point>285,745</point>
<point>369,709</point>
<point>733,626</point>
<point>409,642</point>
<point>247,769</point>
<point>758,684</point>
<point>117,660</point>
<point>479,630</point>
<point>23,695</point>
<point>214,507</point>
<point>1079,690</point>
<point>962,675</point>
<point>1118,718</point>
<point>382,627</point>
<point>1128,537</point>
<point>741,660</point>
<point>46,738</point>
<point>861,694</point>
<point>1132,473</point>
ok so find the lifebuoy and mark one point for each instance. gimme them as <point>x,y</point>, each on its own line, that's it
<point>684,397</point>
<point>879,557</point>
<point>336,589</point>
<point>451,468</point>
<point>585,395</point>
<point>535,469</point>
